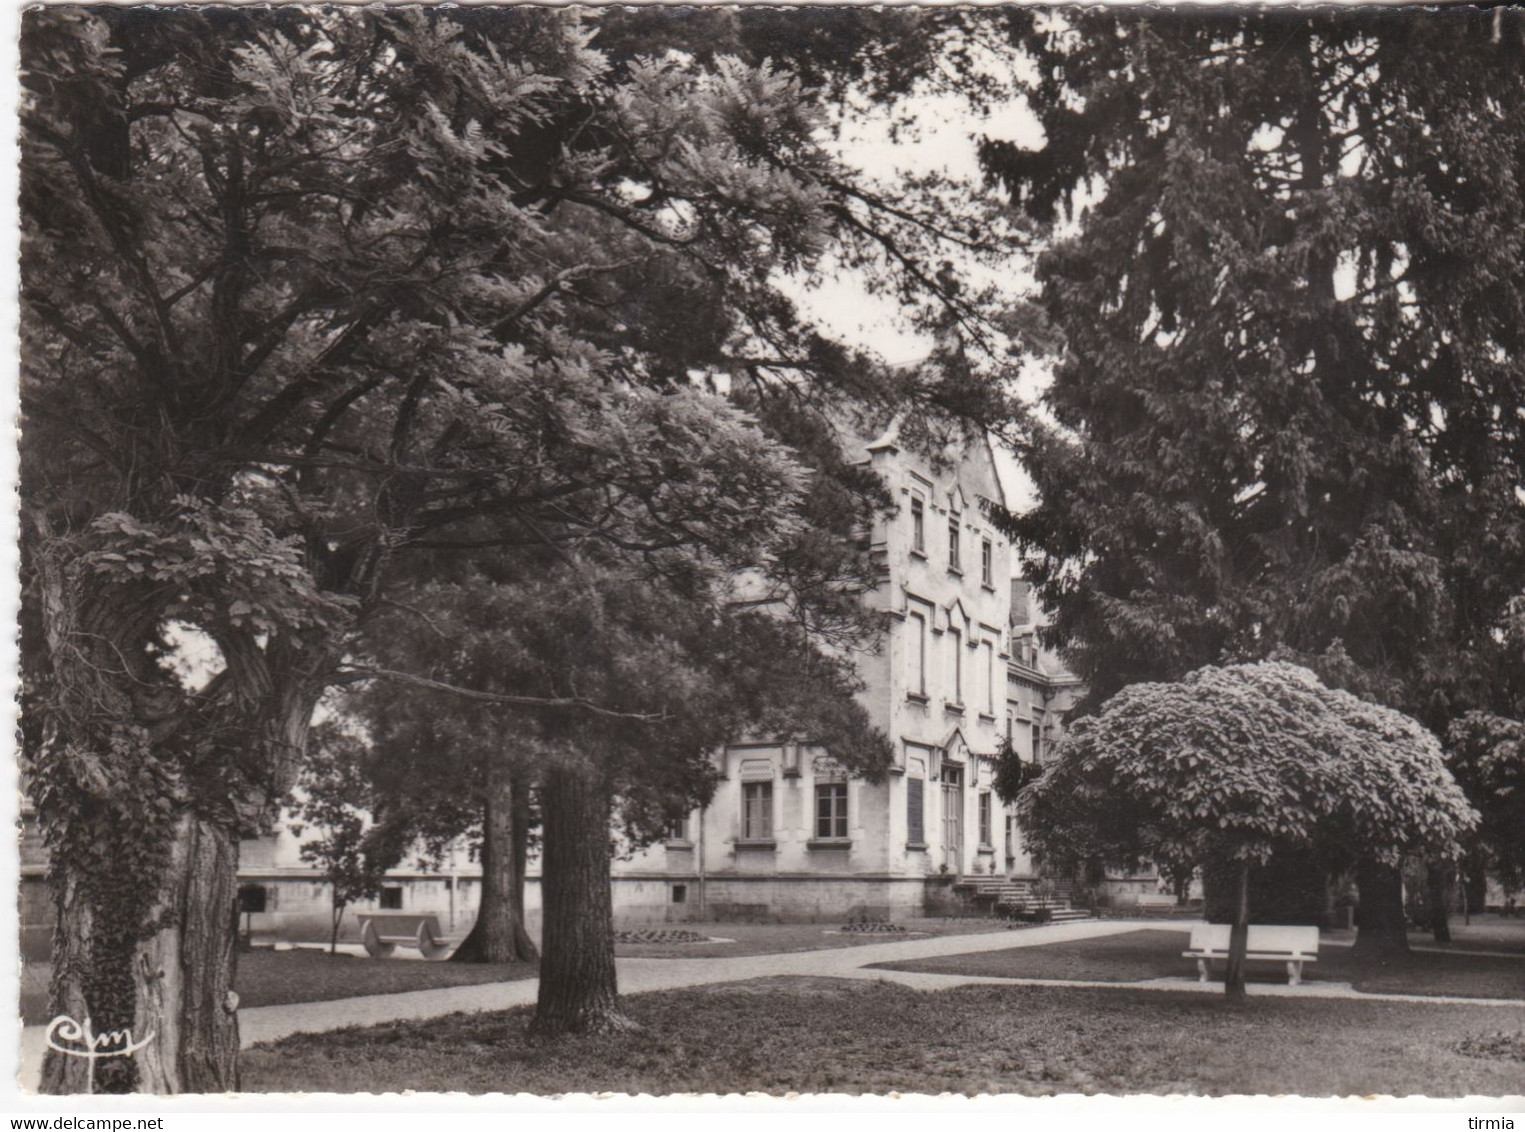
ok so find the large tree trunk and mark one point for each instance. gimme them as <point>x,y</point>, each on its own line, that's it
<point>1381,927</point>
<point>1438,878</point>
<point>499,935</point>
<point>1239,937</point>
<point>578,991</point>
<point>172,989</point>
<point>1476,886</point>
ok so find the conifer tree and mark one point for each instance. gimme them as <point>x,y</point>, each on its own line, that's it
<point>1284,420</point>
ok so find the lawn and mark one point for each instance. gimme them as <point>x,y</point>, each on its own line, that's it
<point>776,939</point>
<point>269,978</point>
<point>850,1036</point>
<point>1156,954</point>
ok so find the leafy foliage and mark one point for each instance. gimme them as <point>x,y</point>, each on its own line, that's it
<point>1243,762</point>
<point>1012,775</point>
<point>1284,419</point>
<point>334,797</point>
<point>308,291</point>
<point>676,668</point>
<point>1487,754</point>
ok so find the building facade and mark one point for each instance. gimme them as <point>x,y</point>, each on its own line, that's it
<point>789,835</point>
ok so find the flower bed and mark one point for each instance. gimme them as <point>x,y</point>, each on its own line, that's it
<point>659,935</point>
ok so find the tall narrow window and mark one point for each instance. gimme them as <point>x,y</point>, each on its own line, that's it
<point>1037,742</point>
<point>989,653</point>
<point>953,541</point>
<point>985,817</point>
<point>915,811</point>
<point>986,562</point>
<point>756,811</point>
<point>916,654</point>
<point>831,810</point>
<point>918,525</point>
<point>956,665</point>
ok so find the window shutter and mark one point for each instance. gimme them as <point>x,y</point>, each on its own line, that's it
<point>915,811</point>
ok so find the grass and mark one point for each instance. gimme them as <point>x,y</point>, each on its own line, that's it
<point>1156,954</point>
<point>849,1036</point>
<point>777,939</point>
<point>270,978</point>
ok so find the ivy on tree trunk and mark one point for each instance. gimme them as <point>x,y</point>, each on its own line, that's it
<point>172,988</point>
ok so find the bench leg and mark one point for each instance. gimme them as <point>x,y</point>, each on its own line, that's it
<point>1202,970</point>
<point>1295,973</point>
<point>373,945</point>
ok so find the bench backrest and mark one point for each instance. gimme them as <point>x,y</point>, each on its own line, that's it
<point>1286,939</point>
<point>394,923</point>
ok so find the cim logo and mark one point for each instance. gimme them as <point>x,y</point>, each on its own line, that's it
<point>77,1039</point>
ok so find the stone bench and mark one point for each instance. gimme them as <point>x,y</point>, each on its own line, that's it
<point>381,932</point>
<point>1277,943</point>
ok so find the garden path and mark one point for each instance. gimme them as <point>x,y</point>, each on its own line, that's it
<point>641,975</point>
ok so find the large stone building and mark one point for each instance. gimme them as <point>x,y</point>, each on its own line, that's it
<point>788,834</point>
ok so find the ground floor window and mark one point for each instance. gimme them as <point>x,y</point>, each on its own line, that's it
<point>831,810</point>
<point>391,899</point>
<point>756,810</point>
<point>985,817</point>
<point>915,811</point>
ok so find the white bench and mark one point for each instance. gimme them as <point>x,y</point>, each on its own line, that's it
<point>1276,943</point>
<point>381,932</point>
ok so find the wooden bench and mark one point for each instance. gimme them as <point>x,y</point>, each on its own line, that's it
<point>381,932</point>
<point>1275,943</point>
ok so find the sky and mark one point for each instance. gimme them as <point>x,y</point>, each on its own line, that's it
<point>943,141</point>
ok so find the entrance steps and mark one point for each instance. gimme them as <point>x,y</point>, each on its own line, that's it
<point>998,894</point>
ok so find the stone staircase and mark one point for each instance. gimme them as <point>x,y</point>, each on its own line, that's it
<point>997,894</point>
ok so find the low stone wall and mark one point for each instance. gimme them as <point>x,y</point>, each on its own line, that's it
<point>809,899</point>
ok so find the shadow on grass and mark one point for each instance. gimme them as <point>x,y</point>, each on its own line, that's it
<point>822,1035</point>
<point>1152,954</point>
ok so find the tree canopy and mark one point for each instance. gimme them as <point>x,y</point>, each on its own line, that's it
<point>1486,752</point>
<point>1284,419</point>
<point>310,290</point>
<point>1248,759</point>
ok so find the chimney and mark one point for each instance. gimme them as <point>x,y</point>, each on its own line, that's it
<point>1021,597</point>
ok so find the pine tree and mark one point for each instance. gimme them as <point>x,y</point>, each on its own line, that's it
<point>1283,421</point>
